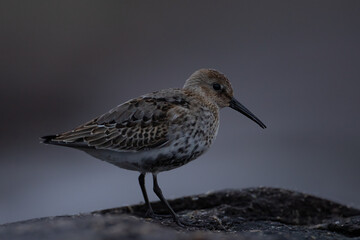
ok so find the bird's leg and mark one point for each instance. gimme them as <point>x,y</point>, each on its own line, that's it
<point>158,192</point>
<point>176,218</point>
<point>149,212</point>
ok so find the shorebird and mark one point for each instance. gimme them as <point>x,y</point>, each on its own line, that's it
<point>158,131</point>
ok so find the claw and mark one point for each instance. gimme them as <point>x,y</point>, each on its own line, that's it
<point>183,223</point>
<point>150,214</point>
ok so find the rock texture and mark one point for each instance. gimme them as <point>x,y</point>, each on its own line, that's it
<point>255,213</point>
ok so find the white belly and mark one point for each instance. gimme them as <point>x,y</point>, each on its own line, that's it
<point>155,160</point>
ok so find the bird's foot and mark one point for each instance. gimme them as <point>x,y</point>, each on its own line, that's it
<point>184,223</point>
<point>150,214</point>
<point>180,222</point>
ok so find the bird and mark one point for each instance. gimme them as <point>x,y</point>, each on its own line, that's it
<point>159,131</point>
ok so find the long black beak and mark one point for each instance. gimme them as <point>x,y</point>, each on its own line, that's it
<point>234,104</point>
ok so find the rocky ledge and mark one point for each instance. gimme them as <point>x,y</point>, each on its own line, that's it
<point>254,213</point>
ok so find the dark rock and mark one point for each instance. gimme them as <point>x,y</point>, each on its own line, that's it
<point>255,213</point>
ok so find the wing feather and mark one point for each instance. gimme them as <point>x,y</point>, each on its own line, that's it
<point>139,124</point>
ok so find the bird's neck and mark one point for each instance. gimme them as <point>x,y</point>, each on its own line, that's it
<point>202,99</point>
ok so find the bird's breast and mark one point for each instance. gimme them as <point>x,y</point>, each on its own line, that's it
<point>194,134</point>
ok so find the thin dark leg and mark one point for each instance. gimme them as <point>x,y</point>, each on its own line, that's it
<point>150,211</point>
<point>158,192</point>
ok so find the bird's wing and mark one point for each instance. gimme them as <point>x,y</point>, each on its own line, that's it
<point>139,124</point>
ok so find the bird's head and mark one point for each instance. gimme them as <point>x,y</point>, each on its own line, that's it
<point>215,87</point>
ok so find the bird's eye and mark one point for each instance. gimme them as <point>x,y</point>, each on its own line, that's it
<point>216,86</point>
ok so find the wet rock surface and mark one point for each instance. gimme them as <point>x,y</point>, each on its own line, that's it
<point>255,213</point>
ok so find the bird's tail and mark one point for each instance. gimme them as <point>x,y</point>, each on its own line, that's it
<point>51,139</point>
<point>47,139</point>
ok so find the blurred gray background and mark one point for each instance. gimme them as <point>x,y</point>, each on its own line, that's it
<point>295,64</point>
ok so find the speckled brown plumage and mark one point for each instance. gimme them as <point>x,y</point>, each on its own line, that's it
<point>139,124</point>
<point>167,117</point>
<point>158,131</point>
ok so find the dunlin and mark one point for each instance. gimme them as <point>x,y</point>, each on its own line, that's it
<point>159,131</point>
